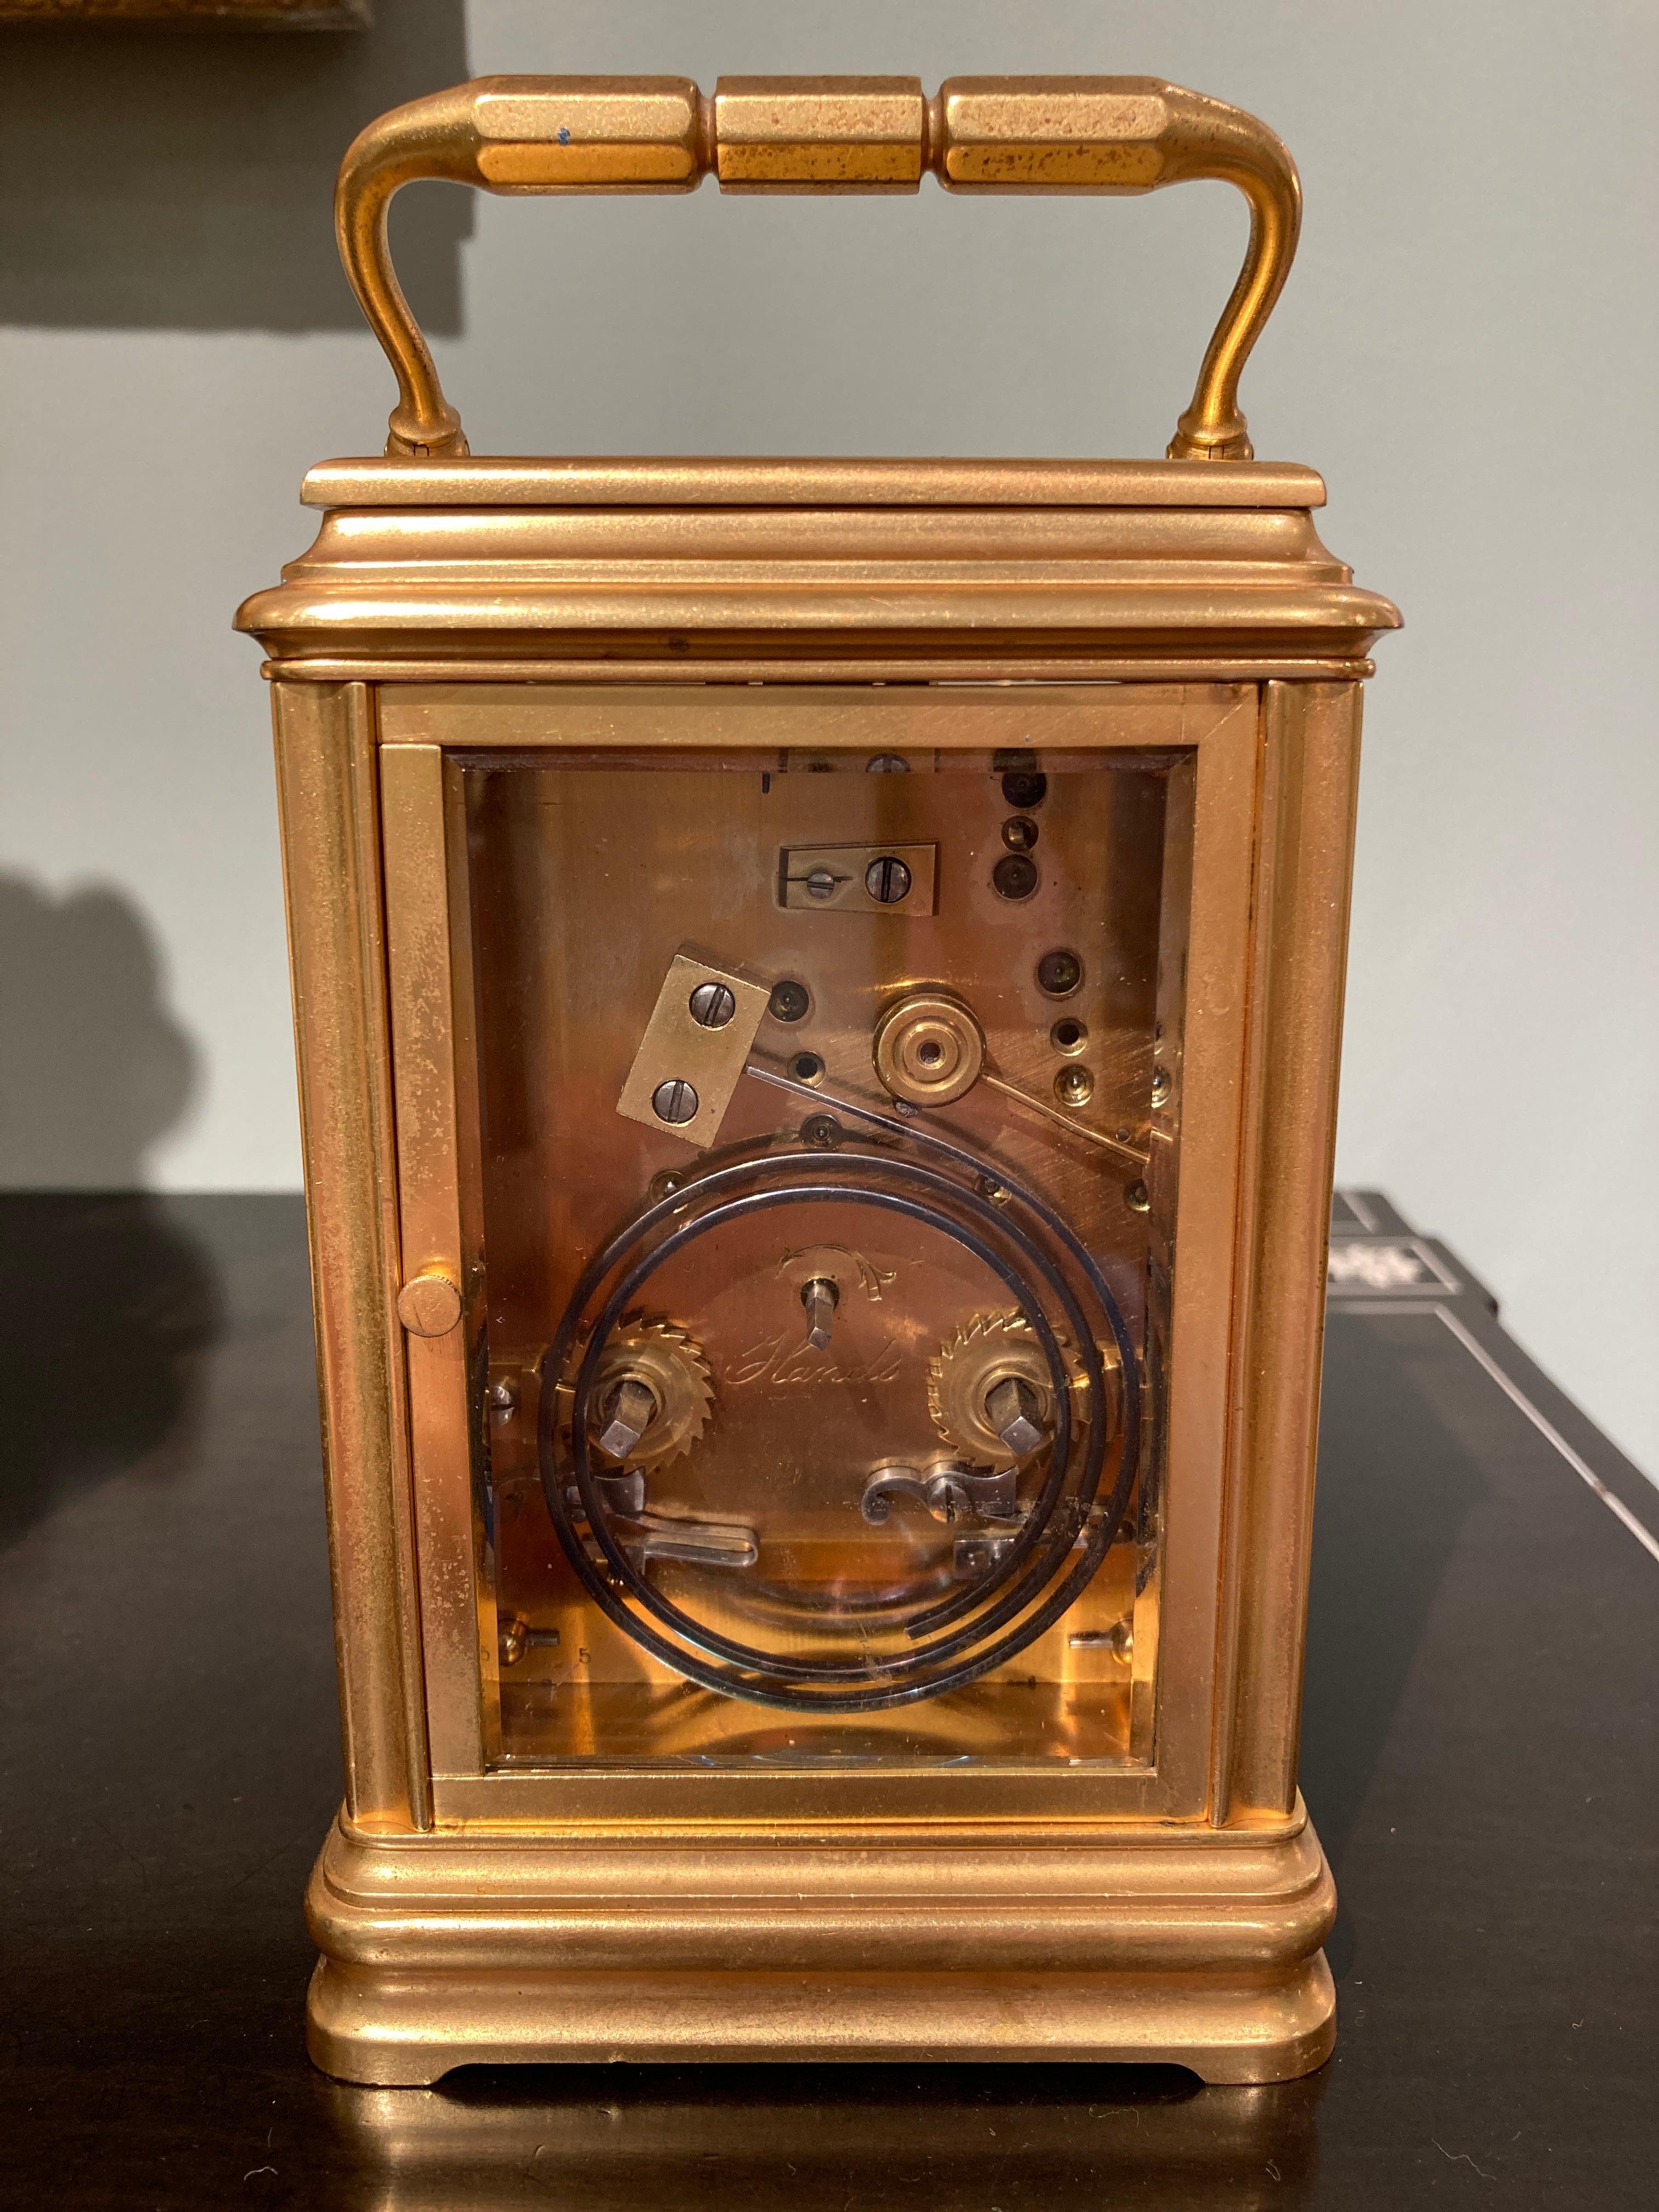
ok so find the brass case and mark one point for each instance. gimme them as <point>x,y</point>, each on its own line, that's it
<point>456,611</point>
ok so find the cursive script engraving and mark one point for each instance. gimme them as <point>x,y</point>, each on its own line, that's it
<point>873,1279</point>
<point>780,1362</point>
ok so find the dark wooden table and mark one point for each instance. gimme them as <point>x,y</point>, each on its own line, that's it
<point>1481,1756</point>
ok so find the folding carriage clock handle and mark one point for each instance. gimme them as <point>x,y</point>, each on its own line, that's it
<point>587,134</point>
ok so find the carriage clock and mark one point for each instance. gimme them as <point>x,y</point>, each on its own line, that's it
<point>817,988</point>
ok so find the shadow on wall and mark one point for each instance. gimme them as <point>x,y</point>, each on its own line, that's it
<point>95,1069</point>
<point>170,181</point>
<point>106,1304</point>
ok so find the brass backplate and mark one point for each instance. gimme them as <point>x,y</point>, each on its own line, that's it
<point>687,1068</point>
<point>837,878</point>
<point>794,1430</point>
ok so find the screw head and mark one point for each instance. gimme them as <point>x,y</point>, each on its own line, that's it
<point>1074,1087</point>
<point>887,880</point>
<point>789,1001</point>
<point>674,1102</point>
<point>1059,972</point>
<point>821,883</point>
<point>1161,1086</point>
<point>712,1006</point>
<point>1019,833</point>
<point>1014,876</point>
<point>887,764</point>
<point>1025,787</point>
<point>821,1130</point>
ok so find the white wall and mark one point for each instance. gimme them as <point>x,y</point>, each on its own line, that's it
<point>1465,349</point>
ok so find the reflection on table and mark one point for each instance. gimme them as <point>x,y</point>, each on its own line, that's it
<point>610,2139</point>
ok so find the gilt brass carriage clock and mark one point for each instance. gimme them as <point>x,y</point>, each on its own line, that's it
<point>818,989</point>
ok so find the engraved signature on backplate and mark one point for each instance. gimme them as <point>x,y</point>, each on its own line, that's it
<point>780,1362</point>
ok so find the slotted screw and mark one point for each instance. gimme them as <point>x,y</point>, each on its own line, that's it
<point>674,1102</point>
<point>887,880</point>
<point>712,1005</point>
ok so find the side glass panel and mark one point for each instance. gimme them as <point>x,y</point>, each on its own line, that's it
<point>830,1134</point>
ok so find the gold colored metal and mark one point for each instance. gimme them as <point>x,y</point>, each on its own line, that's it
<point>327,796</point>
<point>1226,728</point>
<point>1311,734</point>
<point>504,135</point>
<point>929,1049</point>
<point>539,723</point>
<point>1117,135</point>
<point>592,135</point>
<point>674,1371</point>
<point>845,878</point>
<point>429,976</point>
<point>919,1945</point>
<point>1223,724</point>
<point>1271,493</point>
<point>686,1069</point>
<point>966,1369</point>
<point>832,134</point>
<point>1132,1154</point>
<point>430,1305</point>
<point>598,814</point>
<point>1133,135</point>
<point>928,572</point>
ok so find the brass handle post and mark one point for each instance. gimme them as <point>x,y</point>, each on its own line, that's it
<point>524,134</point>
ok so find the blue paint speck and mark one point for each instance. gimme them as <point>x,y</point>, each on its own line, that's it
<point>564,134</point>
